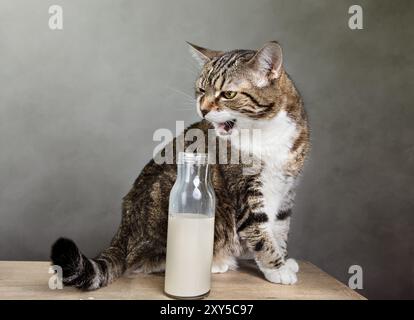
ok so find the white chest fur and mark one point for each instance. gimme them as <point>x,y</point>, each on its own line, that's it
<point>273,148</point>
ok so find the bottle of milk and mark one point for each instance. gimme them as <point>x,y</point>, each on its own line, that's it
<point>190,237</point>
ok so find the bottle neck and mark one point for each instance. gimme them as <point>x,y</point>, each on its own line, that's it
<point>193,191</point>
<point>193,173</point>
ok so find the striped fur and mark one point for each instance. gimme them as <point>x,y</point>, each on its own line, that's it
<point>252,211</point>
<point>89,274</point>
<point>265,98</point>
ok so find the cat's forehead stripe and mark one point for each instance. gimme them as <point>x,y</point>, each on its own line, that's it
<point>221,69</point>
<point>216,74</point>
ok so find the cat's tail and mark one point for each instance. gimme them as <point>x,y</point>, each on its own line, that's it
<point>84,273</point>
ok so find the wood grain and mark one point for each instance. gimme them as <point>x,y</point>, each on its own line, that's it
<point>29,280</point>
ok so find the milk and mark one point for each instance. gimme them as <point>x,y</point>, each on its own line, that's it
<point>190,243</point>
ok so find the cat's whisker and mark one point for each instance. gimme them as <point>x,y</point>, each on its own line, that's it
<point>184,107</point>
<point>181,92</point>
<point>189,103</point>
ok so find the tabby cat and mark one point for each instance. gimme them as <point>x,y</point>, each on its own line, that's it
<point>239,89</point>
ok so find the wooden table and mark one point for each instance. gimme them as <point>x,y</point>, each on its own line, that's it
<point>29,280</point>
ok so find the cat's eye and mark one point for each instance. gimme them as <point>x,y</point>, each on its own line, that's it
<point>201,90</point>
<point>228,94</point>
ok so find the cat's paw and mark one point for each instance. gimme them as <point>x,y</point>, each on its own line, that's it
<point>286,274</point>
<point>219,267</point>
<point>292,265</point>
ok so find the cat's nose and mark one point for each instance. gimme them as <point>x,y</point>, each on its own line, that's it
<point>207,107</point>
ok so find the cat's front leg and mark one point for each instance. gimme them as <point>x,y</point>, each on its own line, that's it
<point>269,248</point>
<point>280,228</point>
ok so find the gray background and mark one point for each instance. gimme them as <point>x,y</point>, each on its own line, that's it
<point>78,109</point>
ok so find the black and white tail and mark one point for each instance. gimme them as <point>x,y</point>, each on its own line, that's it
<point>84,273</point>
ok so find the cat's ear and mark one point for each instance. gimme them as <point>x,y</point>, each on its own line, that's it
<point>267,62</point>
<point>203,55</point>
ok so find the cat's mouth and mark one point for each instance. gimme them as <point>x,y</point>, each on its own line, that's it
<point>225,128</point>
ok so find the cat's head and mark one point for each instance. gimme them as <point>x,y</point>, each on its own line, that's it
<point>238,89</point>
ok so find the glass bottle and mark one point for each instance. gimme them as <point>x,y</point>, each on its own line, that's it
<point>190,237</point>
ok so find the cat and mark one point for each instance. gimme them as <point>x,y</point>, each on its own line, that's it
<point>239,89</point>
